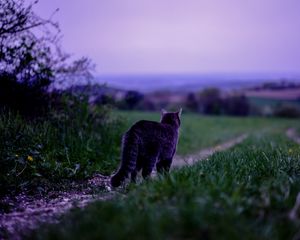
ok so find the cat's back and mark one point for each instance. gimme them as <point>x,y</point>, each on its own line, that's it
<point>151,127</point>
<point>146,124</point>
<point>153,131</point>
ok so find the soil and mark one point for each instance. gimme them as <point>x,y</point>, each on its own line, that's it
<point>205,153</point>
<point>25,212</point>
<point>28,211</point>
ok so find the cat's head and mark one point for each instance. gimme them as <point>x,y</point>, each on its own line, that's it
<point>172,118</point>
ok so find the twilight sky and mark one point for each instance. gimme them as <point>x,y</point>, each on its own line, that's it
<point>181,36</point>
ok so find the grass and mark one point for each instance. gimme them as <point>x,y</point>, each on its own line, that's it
<point>73,143</point>
<point>79,141</point>
<point>198,132</point>
<point>246,192</point>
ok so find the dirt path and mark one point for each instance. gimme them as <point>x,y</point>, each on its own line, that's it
<point>292,134</point>
<point>27,212</point>
<point>205,153</point>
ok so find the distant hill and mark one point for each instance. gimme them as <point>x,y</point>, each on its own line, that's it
<point>190,83</point>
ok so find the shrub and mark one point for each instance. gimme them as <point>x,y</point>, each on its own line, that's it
<point>210,101</point>
<point>71,143</point>
<point>29,100</point>
<point>287,111</point>
<point>236,105</point>
<point>132,99</point>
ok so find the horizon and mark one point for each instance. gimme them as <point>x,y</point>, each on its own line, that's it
<point>187,82</point>
<point>203,74</point>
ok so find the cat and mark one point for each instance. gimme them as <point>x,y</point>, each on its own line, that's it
<point>146,144</point>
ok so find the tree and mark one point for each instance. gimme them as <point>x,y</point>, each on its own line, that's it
<point>192,102</point>
<point>210,101</point>
<point>31,59</point>
<point>237,105</point>
<point>133,98</point>
<point>23,54</point>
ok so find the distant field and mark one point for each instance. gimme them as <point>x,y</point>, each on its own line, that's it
<point>263,101</point>
<point>199,131</point>
<point>282,94</point>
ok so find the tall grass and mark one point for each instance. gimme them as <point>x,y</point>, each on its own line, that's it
<point>244,193</point>
<point>71,143</point>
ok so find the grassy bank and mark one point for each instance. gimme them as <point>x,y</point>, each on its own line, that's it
<point>69,144</point>
<point>246,192</point>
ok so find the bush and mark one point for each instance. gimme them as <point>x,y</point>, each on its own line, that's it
<point>287,111</point>
<point>210,101</point>
<point>31,61</point>
<point>236,105</point>
<point>132,99</point>
<point>27,99</point>
<point>71,143</point>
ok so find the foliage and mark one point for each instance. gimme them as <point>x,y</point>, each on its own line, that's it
<point>287,111</point>
<point>71,143</point>
<point>248,191</point>
<point>236,105</point>
<point>192,102</point>
<point>132,99</point>
<point>29,99</point>
<point>31,60</point>
<point>23,54</point>
<point>210,101</point>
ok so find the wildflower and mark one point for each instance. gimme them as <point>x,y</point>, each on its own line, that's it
<point>290,150</point>
<point>17,155</point>
<point>29,158</point>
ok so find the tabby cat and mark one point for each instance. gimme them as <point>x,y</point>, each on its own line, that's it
<point>146,144</point>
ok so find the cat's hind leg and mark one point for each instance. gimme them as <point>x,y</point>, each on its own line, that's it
<point>163,165</point>
<point>139,165</point>
<point>148,166</point>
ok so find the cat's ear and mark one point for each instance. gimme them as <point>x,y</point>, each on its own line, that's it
<point>179,112</point>
<point>163,111</point>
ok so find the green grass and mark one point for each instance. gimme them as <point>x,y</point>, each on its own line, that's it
<point>73,143</point>
<point>79,141</point>
<point>243,193</point>
<point>198,132</point>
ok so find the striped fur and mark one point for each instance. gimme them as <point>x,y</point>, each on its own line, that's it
<point>147,144</point>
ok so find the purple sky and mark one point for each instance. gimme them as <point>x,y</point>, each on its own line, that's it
<point>181,36</point>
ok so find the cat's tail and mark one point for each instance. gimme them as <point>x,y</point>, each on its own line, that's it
<point>128,158</point>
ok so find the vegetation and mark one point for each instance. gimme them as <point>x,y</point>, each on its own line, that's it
<point>209,101</point>
<point>198,131</point>
<point>78,140</point>
<point>247,191</point>
<point>72,143</point>
<point>31,61</point>
<point>44,135</point>
<point>274,107</point>
<point>47,136</point>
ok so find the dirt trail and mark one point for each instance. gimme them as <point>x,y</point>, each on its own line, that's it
<point>29,212</point>
<point>292,134</point>
<point>205,153</point>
